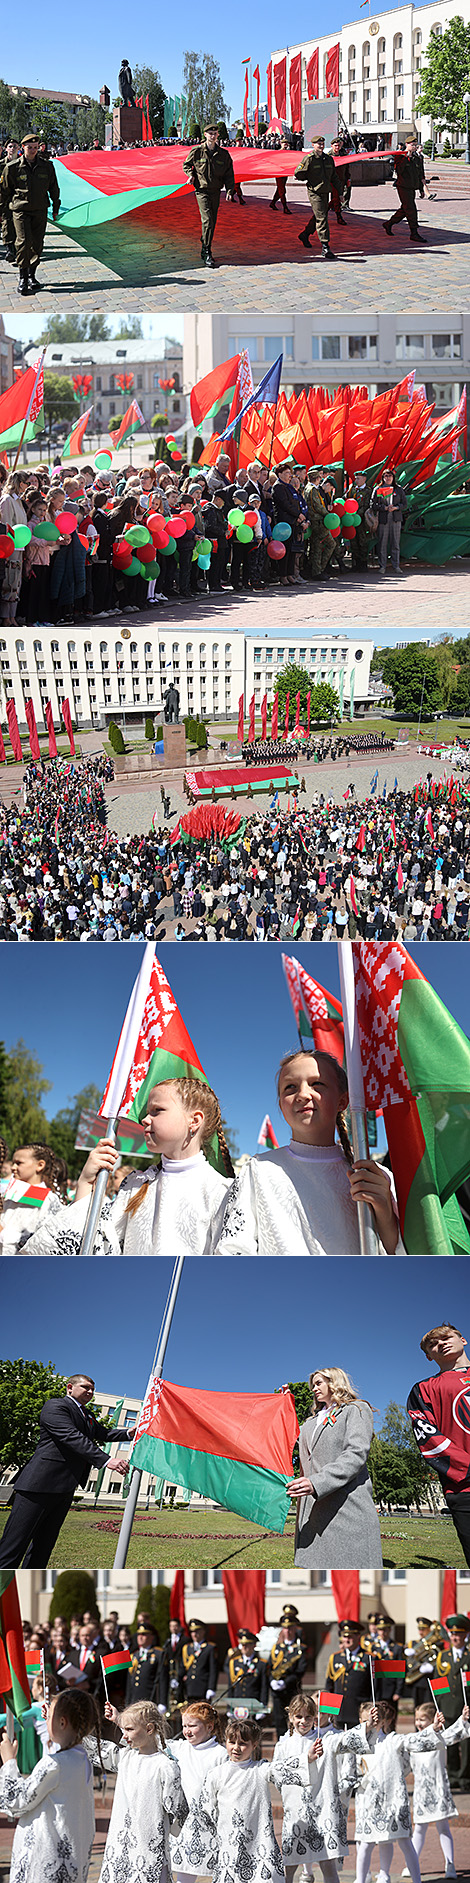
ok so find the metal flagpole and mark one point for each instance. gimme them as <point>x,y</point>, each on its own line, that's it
<point>156,1373</point>
<point>117,1082</point>
<point>367,1233</point>
<point>96,1200</point>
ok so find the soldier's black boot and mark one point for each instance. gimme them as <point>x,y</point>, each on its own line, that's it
<point>34,284</point>
<point>418,238</point>
<point>327,253</point>
<point>305,238</point>
<point>203,252</point>
<point>209,261</point>
<point>388,228</point>
<point>10,253</point>
<point>22,283</point>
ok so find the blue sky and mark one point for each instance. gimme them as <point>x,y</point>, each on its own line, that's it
<point>81,55</point>
<point>68,1003</point>
<point>237,1326</point>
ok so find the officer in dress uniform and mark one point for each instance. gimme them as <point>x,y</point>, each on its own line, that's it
<point>210,169</point>
<point>386,1650</point>
<point>318,170</point>
<point>348,1673</point>
<point>420,1656</point>
<point>28,185</point>
<point>286,1666</point>
<point>199,1663</point>
<point>143,1675</point>
<point>172,1682</point>
<point>453,1659</point>
<point>409,168</point>
<point>247,1673</point>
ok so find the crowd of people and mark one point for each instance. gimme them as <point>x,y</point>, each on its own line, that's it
<point>201,1799</point>
<point>273,751</point>
<point>75,575</point>
<point>399,866</point>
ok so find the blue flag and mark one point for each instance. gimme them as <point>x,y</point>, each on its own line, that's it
<point>265,394</point>
<point>396,785</point>
<point>373,782</point>
<point>384,793</point>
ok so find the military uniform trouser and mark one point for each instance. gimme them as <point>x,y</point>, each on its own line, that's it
<point>319,217</point>
<point>407,211</point>
<point>208,205</point>
<point>321,548</point>
<point>8,227</point>
<point>30,229</point>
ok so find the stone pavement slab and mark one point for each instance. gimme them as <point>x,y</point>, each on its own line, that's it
<point>151,258</point>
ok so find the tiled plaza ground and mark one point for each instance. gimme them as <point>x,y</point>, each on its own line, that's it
<point>151,259</point>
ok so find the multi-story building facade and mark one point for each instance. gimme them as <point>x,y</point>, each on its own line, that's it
<point>106,361</point>
<point>324,657</point>
<point>6,358</point>
<point>381,59</point>
<point>332,349</point>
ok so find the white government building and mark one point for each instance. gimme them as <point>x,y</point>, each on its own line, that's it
<point>105,362</point>
<point>111,670</point>
<point>381,57</point>
<point>373,349</point>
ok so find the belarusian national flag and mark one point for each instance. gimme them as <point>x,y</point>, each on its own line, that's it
<point>13,1676</point>
<point>416,1064</point>
<point>33,1662</point>
<point>24,400</point>
<point>153,1046</point>
<point>215,390</point>
<point>390,1670</point>
<point>267,1135</point>
<point>130,422</point>
<point>439,1683</point>
<point>318,1015</point>
<point>329,1703</point>
<point>30,1195</point>
<point>73,444</point>
<point>213,1442</point>
<point>116,1663</point>
<point>115,1421</point>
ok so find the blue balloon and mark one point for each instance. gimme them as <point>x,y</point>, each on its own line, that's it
<point>204,562</point>
<point>282,532</point>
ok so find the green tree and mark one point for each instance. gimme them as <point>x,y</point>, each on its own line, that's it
<point>73,328</point>
<point>324,703</point>
<point>89,124</point>
<point>154,1602</point>
<point>24,1387</point>
<point>74,1593</point>
<point>444,658</point>
<point>461,697</point>
<point>23,1116</point>
<point>203,88</point>
<point>59,400</point>
<point>63,1128</point>
<point>148,81</point>
<point>405,669</point>
<point>130,328</point>
<point>445,75</point>
<point>391,1473</point>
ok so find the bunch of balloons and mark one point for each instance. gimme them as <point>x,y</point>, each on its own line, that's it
<point>173,448</point>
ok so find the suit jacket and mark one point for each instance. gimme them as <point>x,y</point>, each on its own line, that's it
<point>68,1447</point>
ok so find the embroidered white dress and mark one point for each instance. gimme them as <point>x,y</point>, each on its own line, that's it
<point>383,1802</point>
<point>194,1847</point>
<point>148,1797</point>
<point>314,1825</point>
<point>293,1201</point>
<point>236,1800</point>
<point>17,1223</point>
<point>432,1796</point>
<point>180,1213</point>
<point>56,1817</point>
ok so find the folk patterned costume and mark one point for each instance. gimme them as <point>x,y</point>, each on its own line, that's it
<point>432,1797</point>
<point>148,1799</point>
<point>314,1822</point>
<point>294,1201</point>
<point>181,1209</point>
<point>236,1800</point>
<point>56,1818</point>
<point>382,1800</point>
<point>194,1845</point>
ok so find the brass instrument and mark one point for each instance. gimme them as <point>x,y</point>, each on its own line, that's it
<point>425,1650</point>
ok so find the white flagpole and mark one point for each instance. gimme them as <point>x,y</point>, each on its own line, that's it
<point>433,1696</point>
<point>120,1559</point>
<point>372,1679</point>
<point>367,1232</point>
<point>104,1679</point>
<point>119,1074</point>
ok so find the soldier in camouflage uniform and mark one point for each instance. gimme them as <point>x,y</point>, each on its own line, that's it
<point>210,168</point>
<point>410,179</point>
<point>27,186</point>
<point>318,171</point>
<point>321,544</point>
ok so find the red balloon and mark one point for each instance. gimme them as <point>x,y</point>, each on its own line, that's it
<point>337,532</point>
<point>122,555</point>
<point>177,457</point>
<point>155,519</point>
<point>349,533</point>
<point>176,526</point>
<point>147,552</point>
<point>66,522</point>
<point>170,439</point>
<point>6,548</point>
<point>350,504</point>
<point>160,539</point>
<point>251,517</point>
<point>276,550</point>
<point>189,518</point>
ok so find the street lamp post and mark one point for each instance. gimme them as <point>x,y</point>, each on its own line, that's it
<point>466,100</point>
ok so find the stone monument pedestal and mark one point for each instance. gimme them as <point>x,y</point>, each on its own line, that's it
<point>174,746</point>
<point>127,124</point>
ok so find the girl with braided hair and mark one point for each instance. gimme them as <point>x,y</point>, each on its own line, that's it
<point>300,1199</point>
<point>176,1205</point>
<point>38,1176</point>
<point>54,1804</point>
<point>148,1799</point>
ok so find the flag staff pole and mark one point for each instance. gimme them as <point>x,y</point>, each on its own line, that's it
<point>120,1559</point>
<point>367,1232</point>
<point>117,1082</point>
<point>97,1199</point>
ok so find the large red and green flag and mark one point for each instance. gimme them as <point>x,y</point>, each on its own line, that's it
<point>154,1045</point>
<point>216,390</point>
<point>14,1686</point>
<point>130,422</point>
<point>212,1443</point>
<point>23,406</point>
<point>439,1684</point>
<point>319,1016</point>
<point>73,444</point>
<point>390,1670</point>
<point>116,1663</point>
<point>329,1703</point>
<point>416,1064</point>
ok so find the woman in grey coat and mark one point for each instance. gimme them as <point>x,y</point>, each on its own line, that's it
<point>337,1523</point>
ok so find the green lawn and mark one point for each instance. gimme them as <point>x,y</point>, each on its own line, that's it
<point>215,1539</point>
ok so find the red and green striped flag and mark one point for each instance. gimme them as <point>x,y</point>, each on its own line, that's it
<point>33,1662</point>
<point>319,1016</point>
<point>23,402</point>
<point>216,390</point>
<point>31,1195</point>
<point>130,422</point>
<point>116,1663</point>
<point>153,1046</point>
<point>416,1064</point>
<point>439,1684</point>
<point>73,444</point>
<point>13,1673</point>
<point>390,1670</point>
<point>213,1442</point>
<point>267,1135</point>
<point>329,1703</point>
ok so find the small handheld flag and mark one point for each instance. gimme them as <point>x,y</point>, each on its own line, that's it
<point>465,1679</point>
<point>438,1685</point>
<point>391,1670</point>
<point>330,1703</point>
<point>33,1662</point>
<point>116,1663</point>
<point>267,1135</point>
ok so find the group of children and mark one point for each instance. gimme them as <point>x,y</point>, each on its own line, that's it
<point>198,1807</point>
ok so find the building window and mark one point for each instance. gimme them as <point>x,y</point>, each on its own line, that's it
<point>330,346</point>
<point>446,346</point>
<point>249,343</point>
<point>276,343</point>
<point>139,382</point>
<point>409,346</point>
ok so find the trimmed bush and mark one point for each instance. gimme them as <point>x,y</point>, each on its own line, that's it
<point>201,736</point>
<point>74,1592</point>
<point>154,1602</point>
<point>115,737</point>
<point>149,729</point>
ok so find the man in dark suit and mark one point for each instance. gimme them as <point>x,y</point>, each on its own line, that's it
<point>68,1448</point>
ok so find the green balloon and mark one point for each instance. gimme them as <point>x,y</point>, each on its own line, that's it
<point>340,503</point>
<point>21,535</point>
<point>234,517</point>
<point>46,532</point>
<point>168,549</point>
<point>137,536</point>
<point>152,570</point>
<point>204,548</point>
<point>331,521</point>
<point>103,460</point>
<point>244,533</point>
<point>135,567</point>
